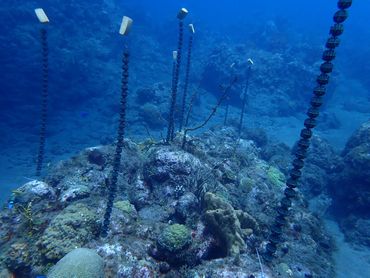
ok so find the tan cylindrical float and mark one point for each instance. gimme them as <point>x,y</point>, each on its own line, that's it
<point>41,15</point>
<point>125,25</point>
<point>182,13</point>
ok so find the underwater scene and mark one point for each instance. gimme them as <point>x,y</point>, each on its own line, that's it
<point>185,138</point>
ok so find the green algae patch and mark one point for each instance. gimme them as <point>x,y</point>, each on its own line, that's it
<point>70,229</point>
<point>174,238</point>
<point>275,177</point>
<point>125,207</point>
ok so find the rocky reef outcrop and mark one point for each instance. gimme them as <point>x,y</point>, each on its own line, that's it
<point>271,82</point>
<point>202,210</point>
<point>350,189</point>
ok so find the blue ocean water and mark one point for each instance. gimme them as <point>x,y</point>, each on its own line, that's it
<point>285,40</point>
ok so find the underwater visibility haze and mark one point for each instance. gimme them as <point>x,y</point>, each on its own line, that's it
<point>195,139</point>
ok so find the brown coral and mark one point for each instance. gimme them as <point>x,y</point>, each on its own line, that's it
<point>228,224</point>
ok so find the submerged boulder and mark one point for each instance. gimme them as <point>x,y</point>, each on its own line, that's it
<point>34,191</point>
<point>322,162</point>
<point>170,173</point>
<point>168,164</point>
<point>359,137</point>
<point>350,189</point>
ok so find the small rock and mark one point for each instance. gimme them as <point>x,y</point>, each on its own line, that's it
<point>186,205</point>
<point>34,190</point>
<point>95,156</point>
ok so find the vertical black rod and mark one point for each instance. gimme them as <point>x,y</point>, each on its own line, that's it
<point>227,100</point>
<point>171,120</point>
<point>191,104</point>
<point>213,112</point>
<point>44,101</point>
<point>226,111</point>
<point>244,101</point>
<point>172,87</point>
<point>186,84</point>
<point>119,145</point>
<point>295,173</point>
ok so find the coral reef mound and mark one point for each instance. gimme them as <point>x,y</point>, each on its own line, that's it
<point>196,211</point>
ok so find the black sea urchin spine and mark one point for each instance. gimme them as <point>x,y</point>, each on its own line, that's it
<point>304,142</point>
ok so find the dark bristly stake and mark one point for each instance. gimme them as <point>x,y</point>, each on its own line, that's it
<point>175,79</point>
<point>174,65</point>
<point>223,96</point>
<point>304,142</point>
<point>227,101</point>
<point>124,30</point>
<point>42,17</point>
<point>187,72</point>
<point>245,96</point>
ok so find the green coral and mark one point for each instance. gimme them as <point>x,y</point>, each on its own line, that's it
<point>70,229</point>
<point>275,177</point>
<point>174,238</point>
<point>228,224</point>
<point>125,207</point>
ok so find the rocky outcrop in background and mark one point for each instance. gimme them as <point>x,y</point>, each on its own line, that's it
<point>350,189</point>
